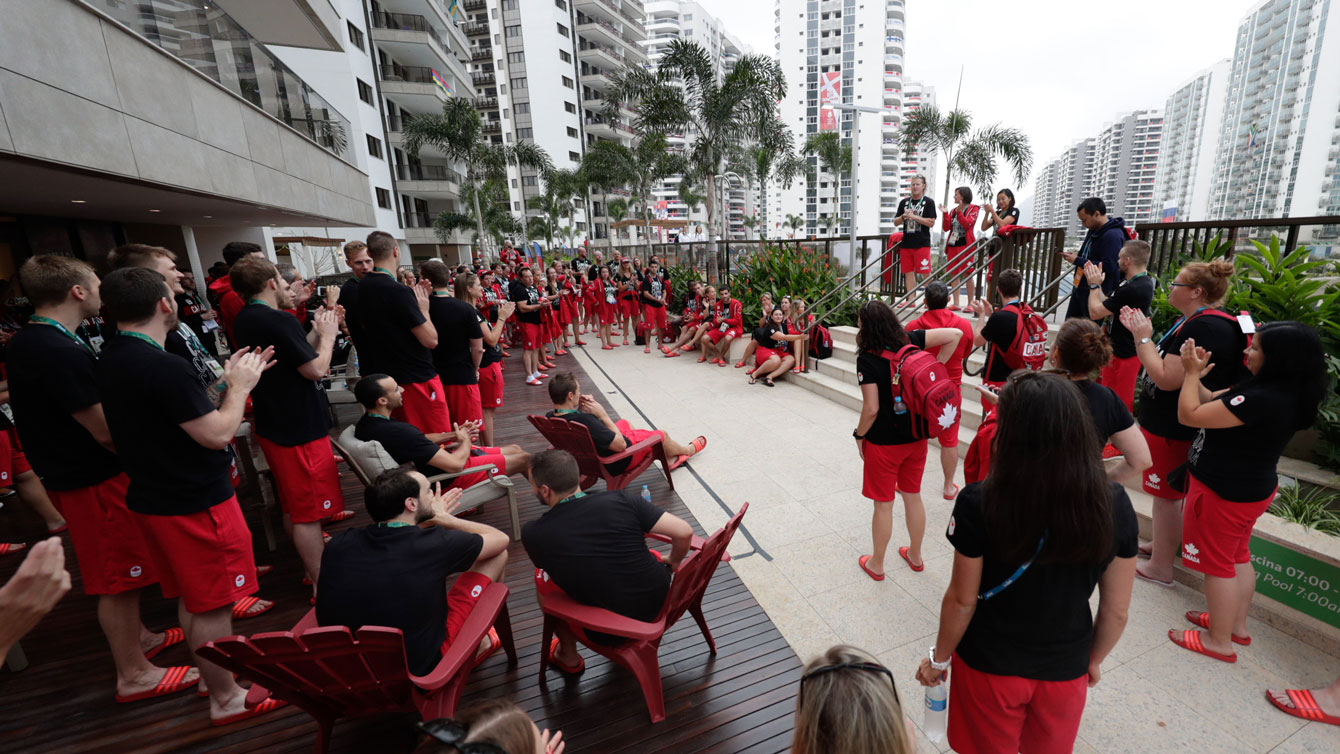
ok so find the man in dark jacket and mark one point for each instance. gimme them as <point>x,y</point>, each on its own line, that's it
<point>1102,245</point>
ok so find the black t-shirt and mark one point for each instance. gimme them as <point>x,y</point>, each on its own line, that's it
<point>1040,626</point>
<point>50,378</point>
<point>492,353</point>
<point>1224,340</point>
<point>395,577</point>
<point>403,442</point>
<point>999,332</point>
<point>916,235</point>
<point>627,286</point>
<point>183,342</point>
<point>388,312</point>
<point>873,369</point>
<point>601,435</point>
<point>764,336</point>
<point>349,300</point>
<point>457,324</point>
<point>1109,414</point>
<point>1239,463</point>
<point>1008,217</point>
<point>525,294</point>
<point>290,409</point>
<point>191,310</point>
<point>1137,293</point>
<point>653,286</point>
<point>147,394</point>
<point>593,548</point>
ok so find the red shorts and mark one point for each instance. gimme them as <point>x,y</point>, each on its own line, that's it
<point>628,307</point>
<point>531,335</point>
<point>1119,375</point>
<point>763,353</point>
<point>996,713</point>
<point>893,468</point>
<point>491,385</point>
<point>425,406</point>
<point>205,558</point>
<point>308,482</point>
<point>654,316</point>
<point>469,480</point>
<point>915,260</point>
<point>461,600</point>
<point>949,438</point>
<point>567,310</point>
<point>464,402</point>
<point>635,436</point>
<point>609,313</point>
<point>1167,455</point>
<point>12,460</point>
<point>715,334</point>
<point>960,261</point>
<point>108,544</point>
<point>1216,533</point>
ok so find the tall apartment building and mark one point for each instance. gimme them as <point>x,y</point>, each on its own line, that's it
<point>1061,185</point>
<point>1279,144</point>
<point>169,122</point>
<point>1126,157</point>
<point>668,20</point>
<point>913,162</point>
<point>861,42</point>
<point>541,70</point>
<point>1193,116</point>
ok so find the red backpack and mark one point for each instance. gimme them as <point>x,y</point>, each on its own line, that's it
<point>924,385</point>
<point>1029,347</point>
<point>821,342</point>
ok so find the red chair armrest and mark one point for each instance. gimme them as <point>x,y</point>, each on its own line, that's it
<point>466,643</point>
<point>591,618</point>
<point>467,470</point>
<point>630,450</point>
<point>696,543</point>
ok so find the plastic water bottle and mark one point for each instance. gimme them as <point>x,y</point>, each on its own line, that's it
<point>646,494</point>
<point>899,408</point>
<point>937,713</point>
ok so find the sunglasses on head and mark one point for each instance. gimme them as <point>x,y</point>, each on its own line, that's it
<point>867,666</point>
<point>453,734</point>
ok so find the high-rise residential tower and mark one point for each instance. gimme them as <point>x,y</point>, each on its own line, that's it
<point>1126,157</point>
<point>1193,116</point>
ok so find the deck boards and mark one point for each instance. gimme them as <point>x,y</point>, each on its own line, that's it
<point>741,700</point>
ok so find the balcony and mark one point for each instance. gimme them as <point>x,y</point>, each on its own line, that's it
<point>486,103</point>
<point>414,87</point>
<point>470,6</point>
<point>491,126</point>
<point>595,30</point>
<point>479,54</point>
<point>475,29</point>
<point>482,78</point>
<point>606,55</point>
<point>414,40</point>
<point>428,181</point>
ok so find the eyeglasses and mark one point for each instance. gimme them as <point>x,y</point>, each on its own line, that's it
<point>1180,285</point>
<point>868,666</point>
<point>452,733</point>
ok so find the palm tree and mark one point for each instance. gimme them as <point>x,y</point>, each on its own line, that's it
<point>684,92</point>
<point>616,210</point>
<point>970,154</point>
<point>551,209</point>
<point>458,133</point>
<point>567,186</point>
<point>497,221</point>
<point>834,159</point>
<point>689,195</point>
<point>640,167</point>
<point>794,222</point>
<point>774,156</point>
<point>750,222</point>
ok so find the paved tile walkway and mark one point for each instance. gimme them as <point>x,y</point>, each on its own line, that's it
<point>788,453</point>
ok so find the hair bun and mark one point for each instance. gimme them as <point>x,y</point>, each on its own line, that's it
<point>1221,268</point>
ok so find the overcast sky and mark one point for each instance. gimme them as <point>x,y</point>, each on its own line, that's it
<point>1056,69</point>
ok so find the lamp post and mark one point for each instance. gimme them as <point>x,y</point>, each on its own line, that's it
<point>727,178</point>
<point>855,111</point>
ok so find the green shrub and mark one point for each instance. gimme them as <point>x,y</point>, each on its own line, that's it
<point>791,271</point>
<point>1314,509</point>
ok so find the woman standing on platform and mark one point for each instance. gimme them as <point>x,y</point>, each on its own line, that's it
<point>1001,215</point>
<point>1031,542</point>
<point>960,222</point>
<point>1196,293</point>
<point>893,458</point>
<point>605,304</point>
<point>1232,463</point>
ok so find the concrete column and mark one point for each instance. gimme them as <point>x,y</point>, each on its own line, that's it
<point>197,269</point>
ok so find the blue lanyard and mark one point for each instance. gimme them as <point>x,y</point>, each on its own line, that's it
<point>988,594</point>
<point>1178,325</point>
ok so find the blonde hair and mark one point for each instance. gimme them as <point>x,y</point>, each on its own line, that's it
<point>1210,277</point>
<point>848,710</point>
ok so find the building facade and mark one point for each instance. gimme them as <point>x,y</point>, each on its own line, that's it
<point>1279,143</point>
<point>1193,116</point>
<point>1061,185</point>
<point>1126,158</point>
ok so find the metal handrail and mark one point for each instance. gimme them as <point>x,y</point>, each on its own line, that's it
<point>876,259</point>
<point>918,294</point>
<point>1055,283</point>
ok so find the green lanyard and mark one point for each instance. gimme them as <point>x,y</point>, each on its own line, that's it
<point>258,301</point>
<point>560,411</point>
<point>39,319</point>
<point>570,497</point>
<point>394,524</point>
<point>378,416</point>
<point>142,337</point>
<point>441,294</point>
<point>383,271</point>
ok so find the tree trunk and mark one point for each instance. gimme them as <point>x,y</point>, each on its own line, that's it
<point>525,236</point>
<point>480,238</point>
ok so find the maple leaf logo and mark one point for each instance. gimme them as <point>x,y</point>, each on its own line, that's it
<point>948,416</point>
<point>1191,549</point>
<point>1154,479</point>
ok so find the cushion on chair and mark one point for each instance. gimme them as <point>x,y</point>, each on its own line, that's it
<point>370,456</point>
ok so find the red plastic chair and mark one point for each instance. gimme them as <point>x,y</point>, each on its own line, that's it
<point>332,672</point>
<point>576,439</point>
<point>639,653</point>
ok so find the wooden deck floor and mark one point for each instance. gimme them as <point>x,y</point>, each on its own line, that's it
<point>741,700</point>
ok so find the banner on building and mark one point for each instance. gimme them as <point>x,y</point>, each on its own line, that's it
<point>1169,215</point>
<point>830,93</point>
<point>442,83</point>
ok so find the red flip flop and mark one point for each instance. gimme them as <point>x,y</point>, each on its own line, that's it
<point>698,444</point>
<point>671,354</point>
<point>269,705</point>
<point>241,607</point>
<point>607,348</point>
<point>1202,619</point>
<point>862,561</point>
<point>646,349</point>
<point>701,359</point>
<point>341,516</point>
<point>566,669</point>
<point>902,553</point>
<point>1190,639</point>
<point>8,547</point>
<point>171,636</point>
<point>1304,707</point>
<point>954,495</point>
<point>58,529</point>
<point>495,644</point>
<point>679,461</point>
<point>261,570</point>
<point>325,537</point>
<point>739,365</point>
<point>174,681</point>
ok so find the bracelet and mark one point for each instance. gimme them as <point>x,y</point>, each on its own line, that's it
<point>940,666</point>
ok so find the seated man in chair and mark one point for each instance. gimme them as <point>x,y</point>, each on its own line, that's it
<point>593,548</point>
<point>609,436</point>
<point>380,395</point>
<point>394,573</point>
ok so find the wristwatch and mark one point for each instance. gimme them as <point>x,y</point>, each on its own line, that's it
<point>940,666</point>
<point>1143,341</point>
<point>1095,287</point>
<point>857,436</point>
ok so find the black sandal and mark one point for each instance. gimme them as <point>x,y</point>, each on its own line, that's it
<point>768,381</point>
<point>752,381</point>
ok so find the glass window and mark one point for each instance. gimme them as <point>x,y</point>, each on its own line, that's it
<point>516,57</point>
<point>525,133</point>
<point>570,107</point>
<point>568,83</point>
<point>572,132</point>
<point>364,91</point>
<point>522,108</point>
<point>374,146</point>
<point>355,36</point>
<point>574,157</point>
<point>528,180</point>
<point>562,30</point>
<point>564,56</point>
<point>509,4</point>
<point>383,198</point>
<point>512,31</point>
<point>519,83</point>
<point>562,4</point>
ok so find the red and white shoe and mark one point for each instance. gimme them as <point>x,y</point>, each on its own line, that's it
<point>533,381</point>
<point>646,349</point>
<point>671,354</point>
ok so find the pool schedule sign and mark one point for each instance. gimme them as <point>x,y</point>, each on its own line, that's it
<point>1297,580</point>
